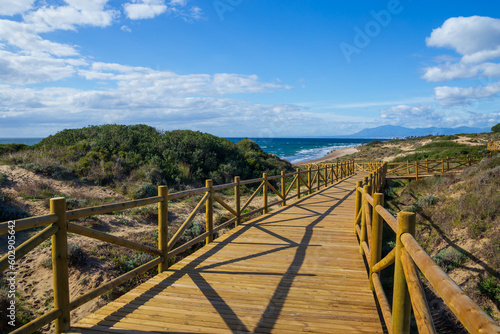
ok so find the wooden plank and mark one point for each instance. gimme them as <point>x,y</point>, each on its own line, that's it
<point>295,269</point>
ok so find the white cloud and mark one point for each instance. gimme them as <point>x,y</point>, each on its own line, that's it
<point>78,13</point>
<point>126,29</point>
<point>60,106</point>
<point>453,71</point>
<point>450,96</point>
<point>13,7</point>
<point>420,115</point>
<point>163,82</point>
<point>477,40</point>
<point>147,9</point>
<point>29,69</point>
<point>23,36</point>
<point>476,37</point>
<point>144,9</point>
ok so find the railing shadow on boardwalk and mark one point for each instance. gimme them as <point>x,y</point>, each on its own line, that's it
<point>193,270</point>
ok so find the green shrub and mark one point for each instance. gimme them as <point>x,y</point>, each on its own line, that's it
<point>145,190</point>
<point>76,255</point>
<point>450,258</point>
<point>125,262</point>
<point>112,154</point>
<point>414,208</point>
<point>496,128</point>
<point>427,200</point>
<point>374,143</point>
<point>12,148</point>
<point>440,144</point>
<point>490,288</point>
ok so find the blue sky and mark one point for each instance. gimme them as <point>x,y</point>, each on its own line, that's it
<point>248,67</point>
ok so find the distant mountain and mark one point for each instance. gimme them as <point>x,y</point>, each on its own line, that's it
<point>393,131</point>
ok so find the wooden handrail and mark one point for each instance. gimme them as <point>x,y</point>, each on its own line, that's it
<point>409,255</point>
<point>421,310</point>
<point>474,319</point>
<point>60,227</point>
<point>28,245</point>
<point>27,223</point>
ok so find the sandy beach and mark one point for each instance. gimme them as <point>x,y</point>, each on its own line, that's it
<point>330,156</point>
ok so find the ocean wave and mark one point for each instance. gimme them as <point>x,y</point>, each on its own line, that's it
<point>314,153</point>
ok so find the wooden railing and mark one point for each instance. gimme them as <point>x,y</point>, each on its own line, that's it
<point>408,256</point>
<point>58,226</point>
<point>422,168</point>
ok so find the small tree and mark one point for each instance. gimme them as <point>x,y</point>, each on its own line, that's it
<point>496,128</point>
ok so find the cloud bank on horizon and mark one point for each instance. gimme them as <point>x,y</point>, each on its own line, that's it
<point>49,81</point>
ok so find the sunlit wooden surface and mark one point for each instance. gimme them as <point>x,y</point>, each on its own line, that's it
<point>297,269</point>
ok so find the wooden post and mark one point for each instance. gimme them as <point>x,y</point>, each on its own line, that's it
<point>362,237</point>
<point>163,227</point>
<point>298,183</point>
<point>209,212</point>
<point>309,180</point>
<point>237,201</point>
<point>377,229</point>
<point>442,170</point>
<point>330,179</point>
<point>416,170</point>
<point>448,163</point>
<point>427,166</point>
<point>370,182</point>
<point>60,265</point>
<point>401,304</point>
<point>326,176</point>
<point>357,206</point>
<point>468,161</point>
<point>337,175</point>
<point>318,175</point>
<point>381,178</point>
<point>264,194</point>
<point>283,188</point>
<point>408,167</point>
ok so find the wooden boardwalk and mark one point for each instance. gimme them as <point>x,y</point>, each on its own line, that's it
<point>297,269</point>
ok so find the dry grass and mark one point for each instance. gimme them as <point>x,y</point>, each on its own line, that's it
<point>458,223</point>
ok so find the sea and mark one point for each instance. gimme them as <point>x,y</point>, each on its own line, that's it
<point>291,149</point>
<point>302,149</point>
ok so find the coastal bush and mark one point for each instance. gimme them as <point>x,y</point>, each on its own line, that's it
<point>431,152</point>
<point>450,258</point>
<point>76,255</point>
<point>427,200</point>
<point>12,148</point>
<point>3,179</point>
<point>145,190</point>
<point>490,287</point>
<point>495,128</point>
<point>441,143</point>
<point>118,154</point>
<point>374,143</point>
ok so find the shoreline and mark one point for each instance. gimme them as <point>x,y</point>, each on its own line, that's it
<point>330,156</point>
